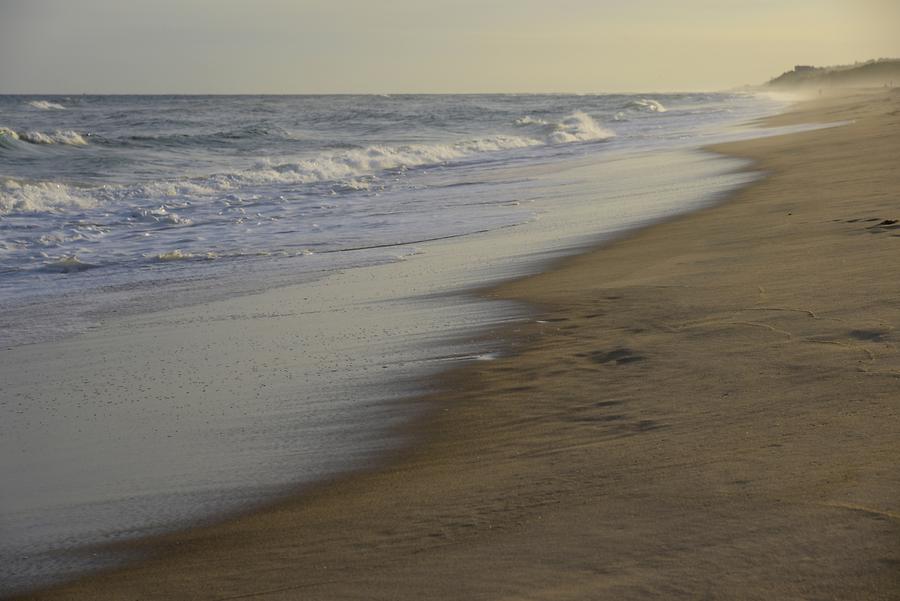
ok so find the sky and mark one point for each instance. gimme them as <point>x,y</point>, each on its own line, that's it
<point>441,46</point>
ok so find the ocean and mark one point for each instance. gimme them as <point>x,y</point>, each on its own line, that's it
<point>147,220</point>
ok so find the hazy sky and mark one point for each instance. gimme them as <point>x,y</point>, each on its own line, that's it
<point>313,46</point>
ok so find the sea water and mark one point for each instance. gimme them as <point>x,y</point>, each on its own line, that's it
<point>169,216</point>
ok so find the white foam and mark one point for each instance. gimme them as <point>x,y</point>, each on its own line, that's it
<point>158,215</point>
<point>647,105</point>
<point>351,169</point>
<point>7,132</point>
<point>67,264</point>
<point>66,137</point>
<point>46,105</point>
<point>178,255</point>
<point>577,127</point>
<point>41,197</point>
<point>529,120</point>
<point>349,165</point>
<point>175,255</point>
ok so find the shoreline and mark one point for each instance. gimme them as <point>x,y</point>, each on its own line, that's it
<point>100,403</point>
<point>532,480</point>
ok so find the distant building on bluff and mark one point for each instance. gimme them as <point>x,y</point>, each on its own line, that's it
<point>882,72</point>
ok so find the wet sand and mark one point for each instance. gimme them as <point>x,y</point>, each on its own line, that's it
<point>707,409</point>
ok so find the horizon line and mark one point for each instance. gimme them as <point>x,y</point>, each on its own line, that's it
<point>388,94</point>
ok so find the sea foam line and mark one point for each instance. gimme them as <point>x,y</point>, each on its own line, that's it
<point>340,167</point>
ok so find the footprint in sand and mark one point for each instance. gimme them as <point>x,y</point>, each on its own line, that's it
<point>883,226</point>
<point>870,335</point>
<point>620,356</point>
<point>879,226</point>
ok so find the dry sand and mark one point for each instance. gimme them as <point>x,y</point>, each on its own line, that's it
<point>708,410</point>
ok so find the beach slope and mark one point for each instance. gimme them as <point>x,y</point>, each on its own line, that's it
<point>707,409</point>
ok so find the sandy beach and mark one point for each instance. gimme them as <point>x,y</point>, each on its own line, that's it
<point>704,410</point>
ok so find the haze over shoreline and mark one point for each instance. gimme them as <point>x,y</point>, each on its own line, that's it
<point>861,74</point>
<point>875,73</point>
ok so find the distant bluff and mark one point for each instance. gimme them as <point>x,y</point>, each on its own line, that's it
<point>875,73</point>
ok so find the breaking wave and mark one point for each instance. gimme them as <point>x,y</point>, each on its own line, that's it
<point>344,167</point>
<point>349,164</point>
<point>577,127</point>
<point>41,197</point>
<point>646,105</point>
<point>66,137</point>
<point>46,105</point>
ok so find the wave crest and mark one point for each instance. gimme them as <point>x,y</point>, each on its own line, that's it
<point>577,127</point>
<point>66,137</point>
<point>353,168</point>
<point>7,137</point>
<point>46,105</point>
<point>646,105</point>
<point>350,164</point>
